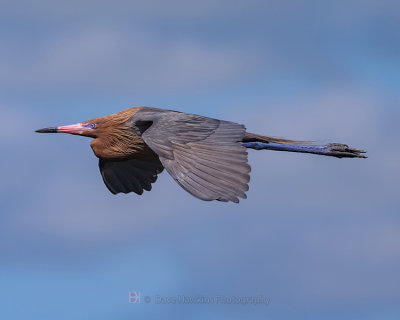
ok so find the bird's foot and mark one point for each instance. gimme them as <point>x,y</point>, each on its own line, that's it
<point>340,150</point>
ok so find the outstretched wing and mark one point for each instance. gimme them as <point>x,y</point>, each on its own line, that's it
<point>205,156</point>
<point>130,175</point>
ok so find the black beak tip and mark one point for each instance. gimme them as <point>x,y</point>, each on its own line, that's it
<point>47,130</point>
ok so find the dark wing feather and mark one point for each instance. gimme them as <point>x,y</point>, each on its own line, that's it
<point>130,175</point>
<point>205,156</point>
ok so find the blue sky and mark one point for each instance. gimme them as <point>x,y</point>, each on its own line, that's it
<point>318,236</point>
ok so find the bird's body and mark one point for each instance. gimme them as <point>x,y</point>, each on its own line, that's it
<point>206,156</point>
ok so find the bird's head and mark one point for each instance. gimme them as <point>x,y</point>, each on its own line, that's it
<point>113,134</point>
<point>97,127</point>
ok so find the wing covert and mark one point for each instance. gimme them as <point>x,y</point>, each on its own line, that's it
<point>205,156</point>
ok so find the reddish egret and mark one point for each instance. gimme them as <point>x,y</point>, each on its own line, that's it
<point>207,157</point>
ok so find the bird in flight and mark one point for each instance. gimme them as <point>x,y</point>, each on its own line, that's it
<point>206,157</point>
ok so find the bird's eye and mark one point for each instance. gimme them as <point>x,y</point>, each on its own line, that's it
<point>92,125</point>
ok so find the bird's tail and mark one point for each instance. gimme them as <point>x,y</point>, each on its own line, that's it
<point>339,150</point>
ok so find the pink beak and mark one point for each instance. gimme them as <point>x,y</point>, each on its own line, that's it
<point>78,129</point>
<point>72,129</point>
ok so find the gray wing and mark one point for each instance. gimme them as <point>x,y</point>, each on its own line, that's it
<point>205,156</point>
<point>130,175</point>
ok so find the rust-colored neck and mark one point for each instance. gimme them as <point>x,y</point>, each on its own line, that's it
<point>115,137</point>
